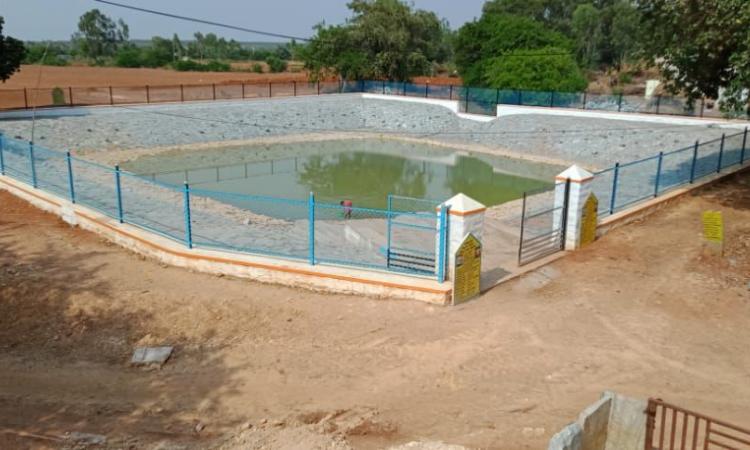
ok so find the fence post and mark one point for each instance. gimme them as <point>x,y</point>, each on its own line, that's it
<point>295,87</point>
<point>148,94</point>
<point>111,98</point>
<point>270,91</point>
<point>520,241</point>
<point>520,97</point>
<point>703,105</point>
<point>311,228</point>
<point>619,103</point>
<point>70,95</point>
<point>695,160</point>
<point>612,199</point>
<point>118,189</point>
<point>341,86</point>
<point>243,89</point>
<point>383,87</point>
<point>182,93</point>
<point>450,92</point>
<point>188,225</point>
<point>468,89</point>
<point>213,88</point>
<point>742,152</point>
<point>658,174</point>
<point>721,153</point>
<point>33,164</point>
<point>318,87</point>
<point>2,160</point>
<point>427,90</point>
<point>497,97</point>
<point>388,233</point>
<point>442,245</point>
<point>71,185</point>
<point>552,99</point>
<point>26,97</point>
<point>658,103</point>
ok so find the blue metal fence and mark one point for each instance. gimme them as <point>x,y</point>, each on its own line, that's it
<point>408,237</point>
<point>623,185</point>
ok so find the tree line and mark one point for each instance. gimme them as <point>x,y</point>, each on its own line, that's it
<point>101,40</point>
<point>701,48</point>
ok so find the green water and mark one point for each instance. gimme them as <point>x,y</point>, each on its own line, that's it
<point>364,171</point>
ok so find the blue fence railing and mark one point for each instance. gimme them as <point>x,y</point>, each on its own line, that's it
<point>474,100</point>
<point>623,185</point>
<point>408,237</point>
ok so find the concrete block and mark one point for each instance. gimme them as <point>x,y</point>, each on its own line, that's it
<point>627,423</point>
<point>151,355</point>
<point>569,438</point>
<point>594,421</point>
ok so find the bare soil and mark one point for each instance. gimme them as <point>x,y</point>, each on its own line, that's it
<point>84,76</point>
<point>644,311</point>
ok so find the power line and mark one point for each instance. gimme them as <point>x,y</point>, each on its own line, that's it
<point>206,22</point>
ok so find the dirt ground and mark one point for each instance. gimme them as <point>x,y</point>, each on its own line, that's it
<point>84,76</point>
<point>643,311</point>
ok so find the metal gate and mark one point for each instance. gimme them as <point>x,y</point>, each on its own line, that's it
<point>415,231</point>
<point>543,222</point>
<point>669,427</point>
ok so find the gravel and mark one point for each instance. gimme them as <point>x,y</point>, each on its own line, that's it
<point>595,143</point>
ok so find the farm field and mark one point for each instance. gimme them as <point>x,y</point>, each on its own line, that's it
<point>84,76</point>
<point>262,366</point>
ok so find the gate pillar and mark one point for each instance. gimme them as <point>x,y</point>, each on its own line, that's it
<point>571,208</point>
<point>465,216</point>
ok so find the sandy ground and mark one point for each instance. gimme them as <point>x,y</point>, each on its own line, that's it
<point>83,76</point>
<point>643,311</point>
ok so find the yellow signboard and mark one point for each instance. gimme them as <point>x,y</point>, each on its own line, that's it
<point>468,273</point>
<point>713,226</point>
<point>588,220</point>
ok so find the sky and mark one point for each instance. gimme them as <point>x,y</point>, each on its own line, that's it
<point>58,19</point>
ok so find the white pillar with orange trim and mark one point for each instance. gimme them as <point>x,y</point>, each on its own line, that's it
<point>465,216</point>
<point>580,188</point>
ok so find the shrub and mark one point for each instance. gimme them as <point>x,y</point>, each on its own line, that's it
<point>625,78</point>
<point>257,68</point>
<point>58,96</point>
<point>548,69</point>
<point>194,66</point>
<point>276,64</point>
<point>128,57</point>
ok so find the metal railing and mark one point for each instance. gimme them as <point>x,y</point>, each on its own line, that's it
<point>408,238</point>
<point>472,100</point>
<point>669,427</point>
<point>623,185</point>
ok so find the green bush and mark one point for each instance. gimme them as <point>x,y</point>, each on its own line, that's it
<point>276,64</point>
<point>625,78</point>
<point>58,96</point>
<point>257,68</point>
<point>547,69</point>
<point>129,57</point>
<point>194,66</point>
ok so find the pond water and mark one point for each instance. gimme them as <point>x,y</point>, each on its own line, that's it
<point>364,171</point>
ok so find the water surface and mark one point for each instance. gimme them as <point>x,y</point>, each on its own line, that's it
<point>362,170</point>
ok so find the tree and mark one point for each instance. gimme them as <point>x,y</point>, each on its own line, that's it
<point>12,53</point>
<point>587,29</point>
<point>547,69</point>
<point>276,64</point>
<point>383,39</point>
<point>701,47</point>
<point>478,44</point>
<point>99,36</point>
<point>554,14</point>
